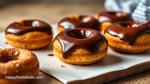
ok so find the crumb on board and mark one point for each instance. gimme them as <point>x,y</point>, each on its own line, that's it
<point>62,66</point>
<point>6,42</point>
<point>50,54</point>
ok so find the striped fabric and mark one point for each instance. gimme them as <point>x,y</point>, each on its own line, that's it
<point>140,9</point>
<point>121,5</point>
<point>142,12</point>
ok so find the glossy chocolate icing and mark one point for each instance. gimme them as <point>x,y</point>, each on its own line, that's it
<point>79,22</point>
<point>128,30</point>
<point>88,39</point>
<point>22,27</point>
<point>113,16</point>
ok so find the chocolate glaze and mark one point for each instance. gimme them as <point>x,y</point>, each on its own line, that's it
<point>128,30</point>
<point>19,28</point>
<point>113,16</point>
<point>82,21</point>
<point>88,39</point>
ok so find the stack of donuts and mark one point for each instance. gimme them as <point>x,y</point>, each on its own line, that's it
<point>81,40</point>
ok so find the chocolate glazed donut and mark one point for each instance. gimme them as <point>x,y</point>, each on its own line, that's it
<point>25,26</point>
<point>80,38</point>
<point>128,30</point>
<point>130,34</point>
<point>81,21</point>
<point>29,34</point>
<point>113,16</point>
<point>107,18</point>
<point>80,43</point>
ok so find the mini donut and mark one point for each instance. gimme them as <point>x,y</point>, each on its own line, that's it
<point>128,37</point>
<point>80,46</point>
<point>17,62</point>
<point>78,21</point>
<point>107,18</point>
<point>29,34</point>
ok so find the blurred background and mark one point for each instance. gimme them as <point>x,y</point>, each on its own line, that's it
<point>50,11</point>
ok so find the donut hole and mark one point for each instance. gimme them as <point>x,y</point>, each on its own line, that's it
<point>125,25</point>
<point>8,55</point>
<point>128,25</point>
<point>118,14</point>
<point>112,13</point>
<point>79,34</point>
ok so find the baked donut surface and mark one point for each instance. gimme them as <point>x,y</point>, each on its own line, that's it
<point>80,46</point>
<point>128,37</point>
<point>78,21</point>
<point>29,34</point>
<point>17,62</point>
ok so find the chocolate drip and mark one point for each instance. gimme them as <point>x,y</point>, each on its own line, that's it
<point>128,30</point>
<point>88,39</point>
<point>19,28</point>
<point>79,22</point>
<point>113,16</point>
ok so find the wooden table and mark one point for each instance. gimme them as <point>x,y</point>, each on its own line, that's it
<point>52,13</point>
